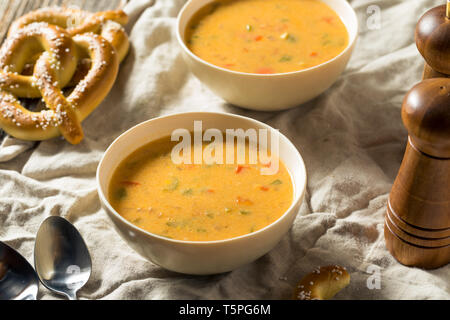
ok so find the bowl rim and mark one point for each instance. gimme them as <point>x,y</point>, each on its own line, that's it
<point>349,47</point>
<point>294,203</point>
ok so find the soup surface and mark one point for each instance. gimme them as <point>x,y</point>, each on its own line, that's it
<point>197,202</point>
<point>266,36</point>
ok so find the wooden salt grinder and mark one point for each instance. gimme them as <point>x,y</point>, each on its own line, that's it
<point>417,222</point>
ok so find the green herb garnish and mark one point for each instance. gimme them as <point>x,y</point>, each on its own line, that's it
<point>121,193</point>
<point>173,185</point>
<point>172,224</point>
<point>187,192</point>
<point>291,38</point>
<point>288,37</point>
<point>276,182</point>
<point>285,58</point>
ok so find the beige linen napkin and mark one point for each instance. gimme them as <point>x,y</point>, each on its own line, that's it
<point>351,138</point>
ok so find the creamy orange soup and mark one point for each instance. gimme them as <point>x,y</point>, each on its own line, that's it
<point>197,202</point>
<point>266,36</point>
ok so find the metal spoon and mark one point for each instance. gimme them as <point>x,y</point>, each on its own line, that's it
<point>18,280</point>
<point>61,257</point>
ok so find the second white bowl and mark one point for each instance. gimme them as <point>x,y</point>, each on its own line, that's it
<point>268,92</point>
<point>195,257</point>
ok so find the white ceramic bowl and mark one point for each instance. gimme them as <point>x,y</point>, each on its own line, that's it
<point>268,92</point>
<point>195,257</point>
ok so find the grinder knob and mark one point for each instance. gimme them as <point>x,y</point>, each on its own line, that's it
<point>432,39</point>
<point>426,115</point>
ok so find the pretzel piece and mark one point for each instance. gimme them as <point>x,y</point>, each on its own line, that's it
<point>322,284</point>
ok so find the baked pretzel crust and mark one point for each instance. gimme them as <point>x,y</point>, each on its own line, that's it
<point>43,55</point>
<point>322,284</point>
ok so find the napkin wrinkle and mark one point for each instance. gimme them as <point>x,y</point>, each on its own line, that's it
<point>10,148</point>
<point>134,10</point>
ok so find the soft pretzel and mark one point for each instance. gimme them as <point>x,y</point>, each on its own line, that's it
<point>322,284</point>
<point>57,57</point>
<point>108,24</point>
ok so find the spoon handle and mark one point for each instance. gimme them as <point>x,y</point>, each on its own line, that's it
<point>71,295</point>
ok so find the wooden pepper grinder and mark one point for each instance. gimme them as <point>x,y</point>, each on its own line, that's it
<point>417,222</point>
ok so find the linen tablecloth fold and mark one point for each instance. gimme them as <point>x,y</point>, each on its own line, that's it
<point>351,138</point>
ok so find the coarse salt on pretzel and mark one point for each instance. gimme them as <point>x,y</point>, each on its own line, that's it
<point>16,52</point>
<point>56,54</point>
<point>107,23</point>
<point>322,284</point>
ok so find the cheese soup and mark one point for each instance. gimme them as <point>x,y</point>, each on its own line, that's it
<point>266,36</point>
<point>198,202</point>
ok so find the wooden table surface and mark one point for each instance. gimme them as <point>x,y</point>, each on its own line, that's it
<point>10,10</point>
